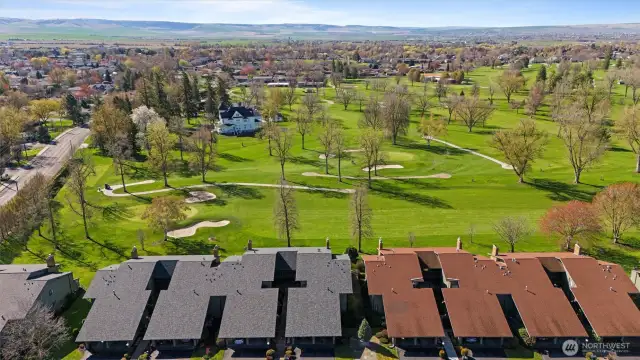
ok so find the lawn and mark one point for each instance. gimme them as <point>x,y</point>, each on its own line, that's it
<point>436,211</point>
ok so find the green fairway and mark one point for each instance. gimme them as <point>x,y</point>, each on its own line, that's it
<point>437,211</point>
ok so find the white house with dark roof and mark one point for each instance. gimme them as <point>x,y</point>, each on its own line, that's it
<point>238,120</point>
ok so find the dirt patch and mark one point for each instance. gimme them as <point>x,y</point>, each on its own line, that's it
<point>199,197</point>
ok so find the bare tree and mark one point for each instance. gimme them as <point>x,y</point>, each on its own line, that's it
<point>290,96</point>
<point>285,212</point>
<point>372,116</point>
<point>345,96</point>
<point>360,216</point>
<point>594,103</point>
<point>536,96</point>
<point>327,139</point>
<point>471,110</point>
<point>619,207</point>
<point>510,82</point>
<point>610,80</point>
<point>441,89</point>
<point>451,103</point>
<point>80,169</point>
<point>164,212</point>
<point>492,91</point>
<point>121,152</point>
<point>339,148</point>
<point>421,101</point>
<point>312,105</point>
<point>371,144</point>
<point>521,146</point>
<point>585,141</point>
<point>395,113</point>
<point>282,145</point>
<point>204,150</point>
<point>512,230</point>
<point>38,336</point>
<point>628,129</point>
<point>304,124</point>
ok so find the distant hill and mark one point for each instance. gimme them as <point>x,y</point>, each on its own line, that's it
<point>105,29</point>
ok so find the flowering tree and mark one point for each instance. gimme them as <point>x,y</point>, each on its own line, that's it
<point>570,221</point>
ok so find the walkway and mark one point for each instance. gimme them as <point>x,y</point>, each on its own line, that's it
<point>501,163</point>
<point>200,186</point>
<point>435,176</point>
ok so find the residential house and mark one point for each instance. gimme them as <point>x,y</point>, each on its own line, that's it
<point>24,286</point>
<point>264,297</point>
<point>238,120</point>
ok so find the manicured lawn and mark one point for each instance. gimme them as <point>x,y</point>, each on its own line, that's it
<point>437,211</point>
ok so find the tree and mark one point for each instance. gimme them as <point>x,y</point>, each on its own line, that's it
<point>203,148</point>
<point>594,103</point>
<point>571,221</point>
<point>432,128</point>
<point>312,105</point>
<point>142,118</point>
<point>610,80</point>
<point>188,106</point>
<point>327,138</point>
<point>164,212</point>
<point>360,216</point>
<point>38,336</point>
<point>371,144</point>
<point>585,141</point>
<point>422,103</point>
<point>17,99</point>
<point>510,82</point>
<point>160,143</point>
<point>542,74</point>
<point>364,331</point>
<point>73,110</point>
<point>285,212</point>
<point>471,110</point>
<point>521,146</point>
<point>290,96</point>
<point>176,126</point>
<point>121,151</point>
<point>222,90</point>
<point>12,122</point>
<point>372,116</point>
<point>107,123</point>
<point>512,229</point>
<point>492,91</point>
<point>619,207</point>
<point>345,96</point>
<point>195,94</point>
<point>282,145</point>
<point>211,104</point>
<point>56,75</point>
<point>42,109</point>
<point>339,148</point>
<point>628,128</point>
<point>451,103</point>
<point>395,114</point>
<point>536,96</point>
<point>80,169</point>
<point>268,131</point>
<point>441,89</point>
<point>336,79</point>
<point>304,124</point>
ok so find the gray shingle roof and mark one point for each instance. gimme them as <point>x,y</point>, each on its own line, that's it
<point>315,309</point>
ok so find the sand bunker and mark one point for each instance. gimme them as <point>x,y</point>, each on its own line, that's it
<point>191,230</point>
<point>331,156</point>
<point>381,167</point>
<point>199,197</point>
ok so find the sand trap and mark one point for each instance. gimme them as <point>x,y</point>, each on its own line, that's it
<point>381,167</point>
<point>199,197</point>
<point>353,150</point>
<point>331,156</point>
<point>84,146</point>
<point>191,230</point>
<point>410,177</point>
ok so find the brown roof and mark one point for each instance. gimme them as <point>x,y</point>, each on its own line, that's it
<point>409,312</point>
<point>602,291</point>
<point>475,313</point>
<point>544,309</point>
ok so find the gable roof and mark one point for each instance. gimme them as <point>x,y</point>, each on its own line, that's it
<point>231,111</point>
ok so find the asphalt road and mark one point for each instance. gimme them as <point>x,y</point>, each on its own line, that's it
<point>49,162</point>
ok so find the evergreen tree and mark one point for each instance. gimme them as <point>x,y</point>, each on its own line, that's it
<point>107,76</point>
<point>619,63</point>
<point>346,73</point>
<point>542,74</point>
<point>356,56</point>
<point>73,110</point>
<point>340,67</point>
<point>364,331</point>
<point>607,58</point>
<point>162,106</point>
<point>333,65</point>
<point>187,105</point>
<point>38,75</point>
<point>195,94</point>
<point>210,106</point>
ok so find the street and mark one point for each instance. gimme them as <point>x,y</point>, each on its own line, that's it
<point>48,162</point>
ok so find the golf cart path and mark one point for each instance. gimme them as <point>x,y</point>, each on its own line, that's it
<point>434,176</point>
<point>201,186</point>
<point>501,163</point>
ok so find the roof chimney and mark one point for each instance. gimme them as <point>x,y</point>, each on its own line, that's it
<point>327,243</point>
<point>380,245</point>
<point>134,252</point>
<point>576,249</point>
<point>51,263</point>
<point>216,253</point>
<point>494,251</point>
<point>459,244</point>
<point>249,245</point>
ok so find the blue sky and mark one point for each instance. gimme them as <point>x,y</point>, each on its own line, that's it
<point>421,13</point>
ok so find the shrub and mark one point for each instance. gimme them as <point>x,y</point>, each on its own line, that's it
<point>289,348</point>
<point>382,333</point>
<point>524,335</point>
<point>207,357</point>
<point>464,352</point>
<point>353,253</point>
<point>360,266</point>
<point>221,344</point>
<point>442,354</point>
<point>588,355</point>
<point>144,356</point>
<point>384,340</point>
<point>271,352</point>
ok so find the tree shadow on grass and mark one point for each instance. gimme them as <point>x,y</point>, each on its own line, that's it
<point>618,149</point>
<point>327,194</point>
<point>435,148</point>
<point>183,168</point>
<point>189,247</point>
<point>391,191</point>
<point>301,160</point>
<point>244,192</point>
<point>559,191</point>
<point>630,242</point>
<point>421,184</point>
<point>233,158</point>
<point>614,255</point>
<point>116,212</point>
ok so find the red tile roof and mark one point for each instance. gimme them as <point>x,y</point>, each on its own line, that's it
<point>602,291</point>
<point>409,312</point>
